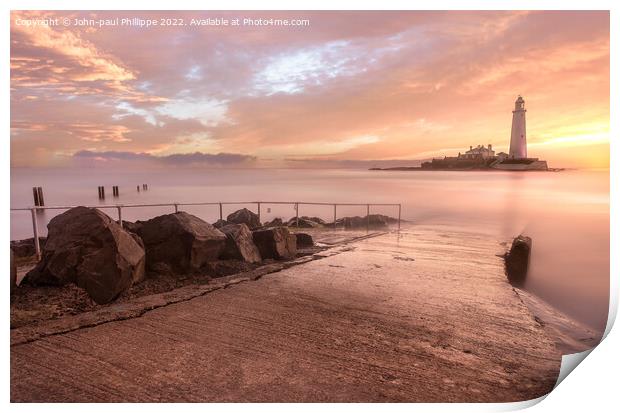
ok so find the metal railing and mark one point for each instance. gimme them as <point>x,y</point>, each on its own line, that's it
<point>176,205</point>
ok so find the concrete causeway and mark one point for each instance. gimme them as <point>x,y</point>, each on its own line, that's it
<point>424,317</point>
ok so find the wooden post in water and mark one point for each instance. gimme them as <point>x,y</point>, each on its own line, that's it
<point>176,208</point>
<point>334,216</point>
<point>35,196</point>
<point>138,188</point>
<point>258,208</point>
<point>221,211</point>
<point>297,214</point>
<point>40,193</point>
<point>115,191</point>
<point>101,192</point>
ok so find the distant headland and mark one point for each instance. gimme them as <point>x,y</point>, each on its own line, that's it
<point>485,158</point>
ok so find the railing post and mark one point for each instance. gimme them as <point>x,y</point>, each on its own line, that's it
<point>297,214</point>
<point>367,217</point>
<point>334,216</point>
<point>120,215</point>
<point>35,231</point>
<point>399,217</point>
<point>221,211</point>
<point>258,208</point>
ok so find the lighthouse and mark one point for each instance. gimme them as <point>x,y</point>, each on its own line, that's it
<point>518,142</point>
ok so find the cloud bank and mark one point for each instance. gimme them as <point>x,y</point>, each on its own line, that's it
<point>353,85</point>
<point>179,159</point>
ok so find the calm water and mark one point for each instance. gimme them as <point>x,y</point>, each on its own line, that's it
<point>565,213</point>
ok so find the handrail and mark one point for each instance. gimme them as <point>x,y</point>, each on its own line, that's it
<point>103,206</point>
<point>176,205</point>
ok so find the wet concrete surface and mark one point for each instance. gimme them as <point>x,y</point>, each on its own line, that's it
<point>427,316</point>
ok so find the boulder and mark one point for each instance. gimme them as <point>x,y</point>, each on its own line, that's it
<point>181,243</point>
<point>86,247</point>
<point>240,244</point>
<point>276,222</point>
<point>302,223</point>
<point>277,243</point>
<point>25,247</point>
<point>352,222</point>
<point>376,221</point>
<point>133,227</point>
<point>13,272</point>
<point>304,240</point>
<point>244,216</point>
<point>518,260</point>
<point>220,223</point>
<point>314,219</point>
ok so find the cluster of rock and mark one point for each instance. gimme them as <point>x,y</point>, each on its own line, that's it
<point>375,221</point>
<point>86,247</point>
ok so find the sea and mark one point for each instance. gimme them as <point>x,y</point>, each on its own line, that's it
<point>566,213</point>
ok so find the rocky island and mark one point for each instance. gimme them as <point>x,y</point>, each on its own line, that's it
<point>481,158</point>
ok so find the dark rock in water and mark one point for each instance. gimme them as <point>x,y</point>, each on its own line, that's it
<point>302,223</point>
<point>25,247</point>
<point>180,242</point>
<point>276,222</point>
<point>306,222</point>
<point>240,244</point>
<point>86,247</point>
<point>314,219</point>
<point>220,223</point>
<point>244,216</point>
<point>13,272</point>
<point>304,240</point>
<point>518,260</point>
<point>277,243</point>
<point>376,221</point>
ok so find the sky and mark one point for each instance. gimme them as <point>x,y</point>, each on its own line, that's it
<point>338,88</point>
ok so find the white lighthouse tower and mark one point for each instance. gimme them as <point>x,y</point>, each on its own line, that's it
<point>518,142</point>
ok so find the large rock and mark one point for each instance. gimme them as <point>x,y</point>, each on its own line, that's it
<point>314,219</point>
<point>304,240</point>
<point>303,223</point>
<point>518,260</point>
<point>277,243</point>
<point>180,243</point>
<point>240,244</point>
<point>276,222</point>
<point>25,247</point>
<point>376,221</point>
<point>244,216</point>
<point>220,223</point>
<point>13,272</point>
<point>86,247</point>
<point>133,227</point>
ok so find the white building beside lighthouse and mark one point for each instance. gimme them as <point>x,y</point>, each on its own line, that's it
<point>518,138</point>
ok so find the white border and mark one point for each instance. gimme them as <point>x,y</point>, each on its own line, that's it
<point>592,386</point>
